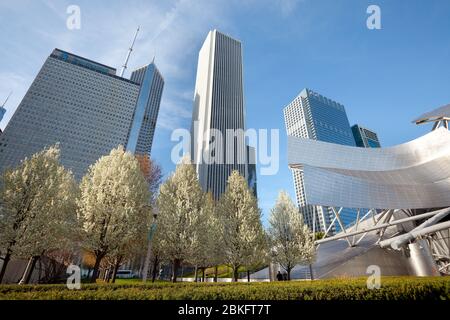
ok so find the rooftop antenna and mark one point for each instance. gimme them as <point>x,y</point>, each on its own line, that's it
<point>7,98</point>
<point>124,67</point>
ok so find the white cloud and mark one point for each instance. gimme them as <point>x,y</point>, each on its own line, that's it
<point>287,7</point>
<point>173,31</point>
<point>55,9</point>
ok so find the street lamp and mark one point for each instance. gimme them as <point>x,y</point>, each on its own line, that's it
<point>151,233</point>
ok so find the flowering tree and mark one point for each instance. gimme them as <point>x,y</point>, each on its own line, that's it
<point>242,231</point>
<point>180,203</point>
<point>152,173</point>
<point>153,176</point>
<point>37,212</point>
<point>215,234</point>
<point>290,239</point>
<point>206,249</point>
<point>158,255</point>
<point>114,205</point>
<point>260,256</point>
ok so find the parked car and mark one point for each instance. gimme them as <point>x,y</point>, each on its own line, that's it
<point>125,274</point>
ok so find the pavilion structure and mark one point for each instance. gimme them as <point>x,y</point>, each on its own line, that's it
<point>404,189</point>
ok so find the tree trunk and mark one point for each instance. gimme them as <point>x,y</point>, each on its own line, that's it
<point>147,259</point>
<point>235,274</point>
<point>141,266</point>
<point>311,272</point>
<point>98,259</point>
<point>28,270</point>
<point>216,273</point>
<point>203,274</point>
<point>108,276</point>
<point>105,275</point>
<point>248,275</point>
<point>196,274</point>
<point>116,268</point>
<point>182,271</point>
<point>33,265</point>
<point>155,267</point>
<point>6,260</point>
<point>289,273</point>
<point>176,265</point>
<point>40,270</point>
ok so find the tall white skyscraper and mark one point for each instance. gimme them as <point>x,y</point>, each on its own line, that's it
<point>218,145</point>
<point>86,108</point>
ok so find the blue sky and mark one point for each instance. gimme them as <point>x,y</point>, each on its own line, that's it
<point>383,77</point>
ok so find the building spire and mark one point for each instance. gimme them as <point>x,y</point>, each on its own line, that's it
<point>124,67</point>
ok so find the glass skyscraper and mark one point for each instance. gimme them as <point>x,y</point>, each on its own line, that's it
<point>313,116</point>
<point>142,129</point>
<point>365,138</point>
<point>2,113</point>
<point>86,108</point>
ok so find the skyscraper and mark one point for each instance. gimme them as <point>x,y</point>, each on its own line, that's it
<point>251,170</point>
<point>365,138</point>
<point>218,145</point>
<point>2,109</point>
<point>2,113</point>
<point>142,130</point>
<point>86,108</point>
<point>313,116</point>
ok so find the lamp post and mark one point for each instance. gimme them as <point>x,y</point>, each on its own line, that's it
<point>151,233</point>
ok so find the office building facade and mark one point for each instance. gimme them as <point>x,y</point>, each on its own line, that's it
<point>364,137</point>
<point>2,113</point>
<point>142,131</point>
<point>313,116</point>
<point>218,144</point>
<point>84,107</point>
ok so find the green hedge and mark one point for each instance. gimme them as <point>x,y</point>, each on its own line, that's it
<point>392,288</point>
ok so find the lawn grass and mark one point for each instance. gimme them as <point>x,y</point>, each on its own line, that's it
<point>392,288</point>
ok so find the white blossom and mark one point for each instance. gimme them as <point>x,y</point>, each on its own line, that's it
<point>113,205</point>
<point>180,203</point>
<point>37,211</point>
<point>290,238</point>
<point>243,236</point>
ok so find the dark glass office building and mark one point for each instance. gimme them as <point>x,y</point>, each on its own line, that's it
<point>313,116</point>
<point>365,138</point>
